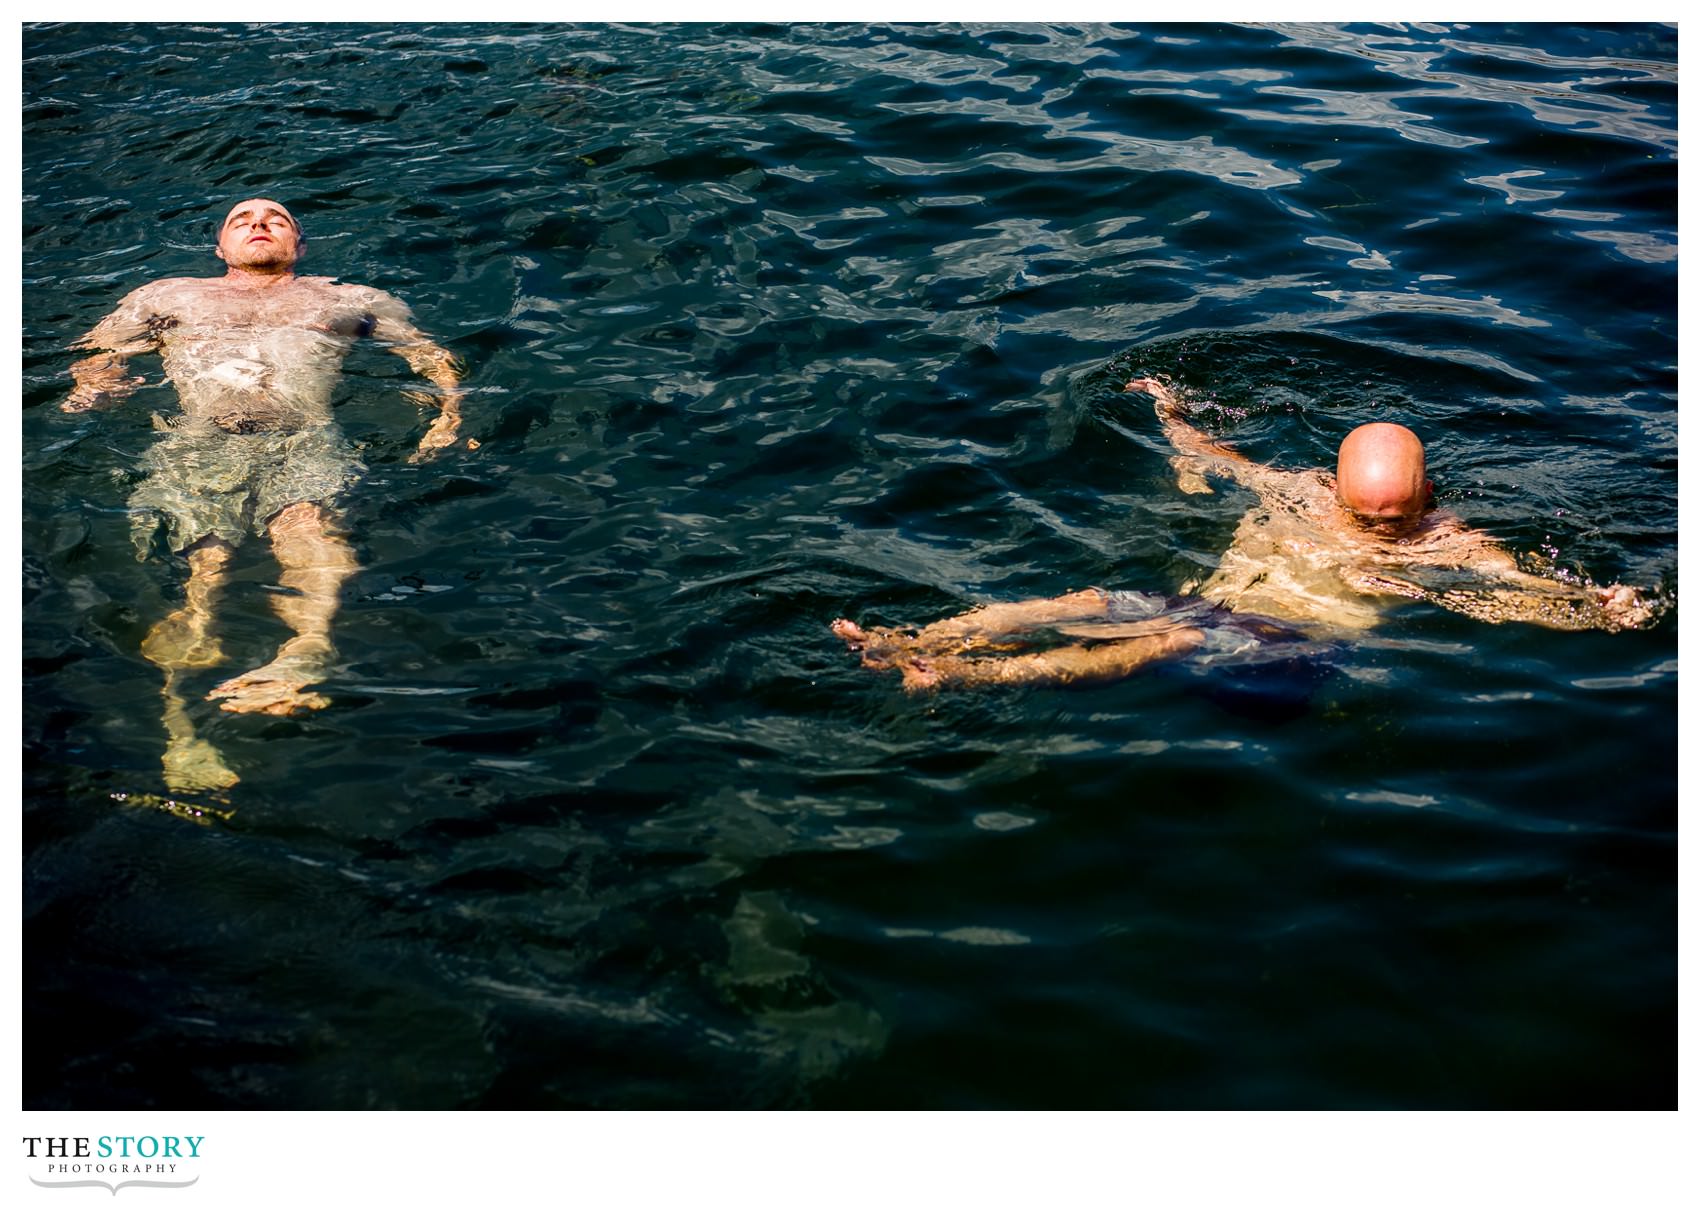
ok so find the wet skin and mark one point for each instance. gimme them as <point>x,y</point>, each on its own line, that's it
<point>258,350</point>
<point>1308,553</point>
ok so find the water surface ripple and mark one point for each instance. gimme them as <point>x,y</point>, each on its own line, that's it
<point>769,324</point>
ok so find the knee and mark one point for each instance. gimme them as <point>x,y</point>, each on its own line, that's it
<point>303,537</point>
<point>303,517</point>
<point>209,556</point>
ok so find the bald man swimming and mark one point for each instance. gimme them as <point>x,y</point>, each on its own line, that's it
<point>1319,555</point>
<point>254,356</point>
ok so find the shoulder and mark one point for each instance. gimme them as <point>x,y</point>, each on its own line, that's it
<point>355,290</point>
<point>379,304</point>
<point>1308,488</point>
<point>1447,538</point>
<point>162,291</point>
<point>163,297</point>
<point>347,293</point>
<point>1444,526</point>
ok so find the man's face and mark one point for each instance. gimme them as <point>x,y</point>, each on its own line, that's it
<point>261,235</point>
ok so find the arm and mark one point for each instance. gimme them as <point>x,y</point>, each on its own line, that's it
<point>1583,608</point>
<point>1197,453</point>
<point>1492,588</point>
<point>100,381</point>
<point>1566,605</point>
<point>1523,598</point>
<point>393,324</point>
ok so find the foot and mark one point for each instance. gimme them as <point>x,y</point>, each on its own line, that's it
<point>180,641</point>
<point>279,688</point>
<point>194,765</point>
<point>851,634</point>
<point>881,648</point>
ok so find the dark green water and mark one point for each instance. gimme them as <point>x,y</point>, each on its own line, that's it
<point>767,325</point>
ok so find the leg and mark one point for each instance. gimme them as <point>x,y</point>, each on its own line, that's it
<point>182,641</point>
<point>976,628</point>
<point>191,764</point>
<point>1002,618</point>
<point>315,563</point>
<point>1065,666</point>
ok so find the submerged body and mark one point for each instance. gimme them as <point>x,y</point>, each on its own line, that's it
<point>247,358</point>
<point>1300,555</point>
<point>254,371</point>
<point>254,358</point>
<point>1330,554</point>
<point>1336,552</point>
<point>241,357</point>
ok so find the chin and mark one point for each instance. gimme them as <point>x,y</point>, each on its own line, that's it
<point>264,260</point>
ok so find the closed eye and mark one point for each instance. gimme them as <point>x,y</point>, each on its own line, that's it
<point>247,216</point>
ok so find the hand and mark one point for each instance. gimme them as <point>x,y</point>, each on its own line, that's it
<point>1624,607</point>
<point>439,437</point>
<point>887,648</point>
<point>1189,474</point>
<point>100,382</point>
<point>1168,404</point>
<point>91,394</point>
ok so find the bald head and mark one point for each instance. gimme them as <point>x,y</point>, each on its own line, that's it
<point>1381,472</point>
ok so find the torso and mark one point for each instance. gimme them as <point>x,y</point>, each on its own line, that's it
<point>1298,556</point>
<point>247,359</point>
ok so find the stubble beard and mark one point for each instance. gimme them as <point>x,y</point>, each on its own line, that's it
<point>262,258</point>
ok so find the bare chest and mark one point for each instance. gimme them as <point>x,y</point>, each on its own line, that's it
<point>302,305</point>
